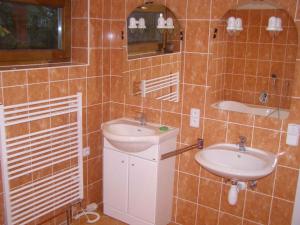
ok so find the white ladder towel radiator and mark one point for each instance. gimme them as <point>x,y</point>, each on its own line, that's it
<point>159,83</point>
<point>57,150</point>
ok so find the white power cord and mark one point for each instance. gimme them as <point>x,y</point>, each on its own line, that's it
<point>90,210</point>
<point>86,214</point>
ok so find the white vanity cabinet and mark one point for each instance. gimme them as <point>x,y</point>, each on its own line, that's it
<point>138,187</point>
<point>142,188</point>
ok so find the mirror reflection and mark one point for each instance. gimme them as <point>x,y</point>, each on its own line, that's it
<point>152,29</point>
<point>253,63</point>
<point>153,67</point>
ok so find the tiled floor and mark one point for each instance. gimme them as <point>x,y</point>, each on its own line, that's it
<point>104,220</point>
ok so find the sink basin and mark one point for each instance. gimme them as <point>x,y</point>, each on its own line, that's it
<point>128,135</point>
<point>227,161</point>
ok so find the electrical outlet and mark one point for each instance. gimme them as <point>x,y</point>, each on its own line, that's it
<point>195,117</point>
<point>86,151</point>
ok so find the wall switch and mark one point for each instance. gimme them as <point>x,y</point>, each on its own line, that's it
<point>86,151</point>
<point>195,117</point>
<point>293,134</point>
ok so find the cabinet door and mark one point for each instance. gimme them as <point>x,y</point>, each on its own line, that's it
<point>142,188</point>
<point>115,179</point>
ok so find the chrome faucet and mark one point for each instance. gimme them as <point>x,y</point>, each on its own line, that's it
<point>242,143</point>
<point>142,118</point>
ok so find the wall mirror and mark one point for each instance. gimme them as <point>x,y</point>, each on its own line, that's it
<point>152,29</point>
<point>153,65</point>
<point>253,63</point>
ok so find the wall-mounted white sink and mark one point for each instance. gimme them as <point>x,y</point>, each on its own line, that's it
<point>227,161</point>
<point>252,109</point>
<point>128,135</point>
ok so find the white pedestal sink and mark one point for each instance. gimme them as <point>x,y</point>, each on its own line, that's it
<point>227,161</point>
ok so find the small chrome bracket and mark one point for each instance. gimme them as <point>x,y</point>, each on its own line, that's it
<point>253,184</point>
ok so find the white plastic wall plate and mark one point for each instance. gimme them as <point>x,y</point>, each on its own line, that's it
<point>195,117</point>
<point>86,151</point>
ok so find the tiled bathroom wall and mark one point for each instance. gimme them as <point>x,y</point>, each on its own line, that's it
<point>135,70</point>
<point>200,197</point>
<point>252,56</point>
<point>18,86</point>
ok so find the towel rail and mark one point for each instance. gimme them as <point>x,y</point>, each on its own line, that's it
<point>198,145</point>
<point>57,150</point>
<point>170,81</point>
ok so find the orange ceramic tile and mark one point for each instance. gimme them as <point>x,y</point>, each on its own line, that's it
<point>117,84</point>
<point>132,4</point>
<point>286,183</point>
<point>189,101</point>
<point>195,69</point>
<point>106,33</point>
<point>258,214</point>
<point>15,95</point>
<point>117,111</point>
<point>78,85</point>
<point>80,27</point>
<point>281,212</point>
<point>38,76</point>
<point>254,17</point>
<point>79,8</point>
<point>206,216</point>
<point>94,118</point>
<point>94,68</point>
<point>152,103</point>
<point>214,132</point>
<point>115,36</point>
<point>189,135</point>
<point>219,8</point>
<point>79,55</point>
<point>118,9</point>
<point>188,163</point>
<point>106,62</point>
<point>225,219</point>
<point>94,90</point>
<point>106,89</point>
<point>14,78</point>
<point>76,72</point>
<point>38,92</point>
<point>235,131</point>
<point>95,193</point>
<point>266,184</point>
<point>200,30</point>
<point>178,7</point>
<point>198,10</point>
<point>271,123</point>
<point>248,222</point>
<point>209,193</point>
<point>94,169</point>
<point>266,139</point>
<point>96,33</point>
<point>153,116</point>
<point>59,89</point>
<point>58,74</point>
<point>117,57</point>
<point>186,212</point>
<point>188,187</point>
